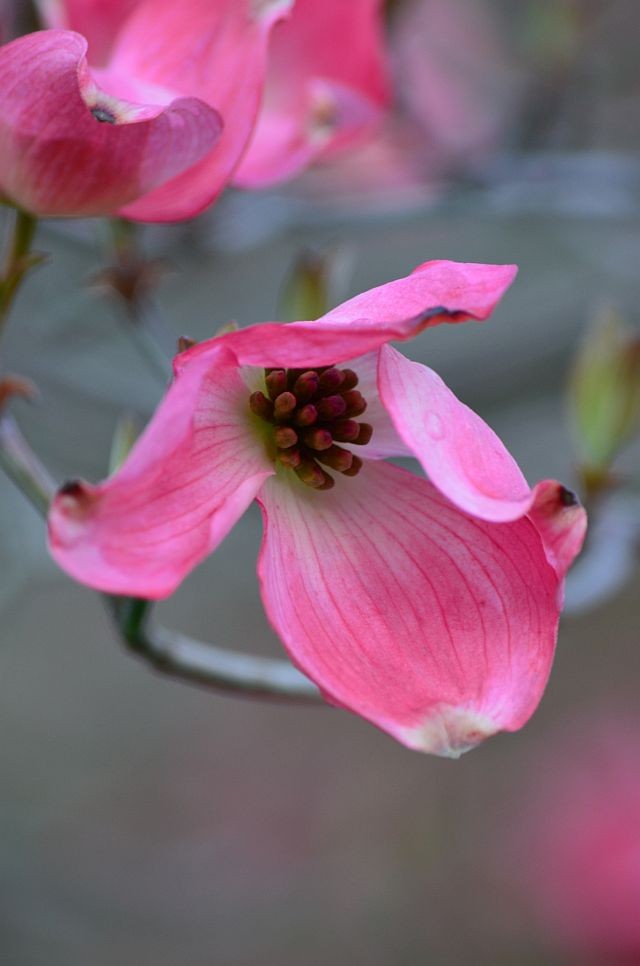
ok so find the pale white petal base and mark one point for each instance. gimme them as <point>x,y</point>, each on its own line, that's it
<point>449,732</point>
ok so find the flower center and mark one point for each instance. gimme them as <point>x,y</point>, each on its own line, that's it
<point>311,410</point>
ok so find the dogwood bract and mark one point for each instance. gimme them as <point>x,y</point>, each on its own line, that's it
<point>429,607</point>
<point>150,129</point>
<point>145,108</point>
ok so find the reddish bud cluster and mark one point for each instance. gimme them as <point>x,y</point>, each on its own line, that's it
<point>311,411</point>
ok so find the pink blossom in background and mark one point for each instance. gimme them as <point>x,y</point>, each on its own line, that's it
<point>456,88</point>
<point>385,171</point>
<point>326,88</point>
<point>428,607</point>
<point>99,22</point>
<point>582,841</point>
<point>455,77</point>
<point>153,127</point>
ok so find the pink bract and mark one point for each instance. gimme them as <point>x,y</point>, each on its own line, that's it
<point>428,607</point>
<point>147,116</point>
<point>326,88</point>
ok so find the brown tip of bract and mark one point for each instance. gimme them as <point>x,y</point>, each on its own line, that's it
<point>185,342</point>
<point>72,488</point>
<point>562,522</point>
<point>567,497</point>
<point>74,498</point>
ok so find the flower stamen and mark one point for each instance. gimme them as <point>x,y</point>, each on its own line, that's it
<point>283,406</point>
<point>285,437</point>
<point>310,410</point>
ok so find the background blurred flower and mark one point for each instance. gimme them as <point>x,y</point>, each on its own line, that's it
<point>455,78</point>
<point>326,88</point>
<point>456,87</point>
<point>400,598</point>
<point>582,841</point>
<point>154,127</point>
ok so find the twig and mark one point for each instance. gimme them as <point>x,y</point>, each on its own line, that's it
<point>169,652</point>
<point>191,660</point>
<point>132,279</point>
<point>18,260</point>
<point>23,467</point>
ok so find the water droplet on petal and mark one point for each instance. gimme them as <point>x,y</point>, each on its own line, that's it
<point>433,425</point>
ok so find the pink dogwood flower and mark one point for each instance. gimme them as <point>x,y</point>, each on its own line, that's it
<point>145,112</point>
<point>429,607</point>
<point>455,85</point>
<point>327,87</point>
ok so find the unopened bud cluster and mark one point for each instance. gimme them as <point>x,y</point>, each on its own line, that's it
<point>311,411</point>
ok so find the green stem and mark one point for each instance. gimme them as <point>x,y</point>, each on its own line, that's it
<point>23,467</point>
<point>169,652</point>
<point>197,662</point>
<point>18,261</point>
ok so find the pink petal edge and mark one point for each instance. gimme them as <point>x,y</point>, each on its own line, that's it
<point>435,293</point>
<point>467,461</point>
<point>561,521</point>
<point>192,474</point>
<point>438,628</point>
<point>460,454</point>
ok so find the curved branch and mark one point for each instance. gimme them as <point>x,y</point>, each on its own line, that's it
<point>191,660</point>
<point>18,260</point>
<point>23,467</point>
<point>168,651</point>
